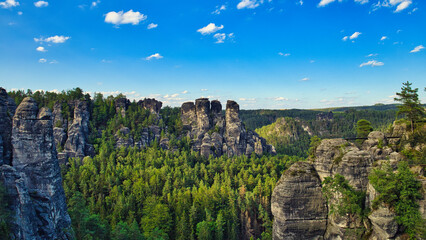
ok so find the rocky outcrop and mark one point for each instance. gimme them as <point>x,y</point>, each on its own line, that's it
<point>151,104</point>
<point>121,105</point>
<point>337,156</point>
<point>215,134</point>
<point>77,144</point>
<point>34,182</point>
<point>325,116</point>
<point>7,110</point>
<point>298,205</point>
<point>124,138</point>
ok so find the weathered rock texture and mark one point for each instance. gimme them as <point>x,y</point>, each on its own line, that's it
<point>34,182</point>
<point>7,110</point>
<point>334,156</point>
<point>151,104</point>
<point>298,205</point>
<point>215,134</point>
<point>77,144</point>
<point>121,105</point>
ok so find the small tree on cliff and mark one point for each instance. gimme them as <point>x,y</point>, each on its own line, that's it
<point>411,105</point>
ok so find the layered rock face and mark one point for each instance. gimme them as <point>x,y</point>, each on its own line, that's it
<point>7,110</point>
<point>151,104</point>
<point>334,156</point>
<point>298,205</point>
<point>77,144</point>
<point>34,182</point>
<point>215,134</point>
<point>121,105</point>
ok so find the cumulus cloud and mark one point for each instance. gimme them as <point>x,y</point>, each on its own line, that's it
<point>372,55</point>
<point>400,4</point>
<point>53,39</point>
<point>383,38</point>
<point>352,37</point>
<point>154,56</point>
<point>372,63</point>
<point>20,13</point>
<point>325,2</point>
<point>121,17</point>
<point>304,79</point>
<point>403,5</point>
<point>152,25</point>
<point>300,3</point>
<point>220,37</point>
<point>41,49</point>
<point>40,4</point>
<point>209,29</point>
<point>42,60</point>
<point>281,99</point>
<point>219,9</point>
<point>185,92</point>
<point>9,4</point>
<point>248,4</point>
<point>417,49</point>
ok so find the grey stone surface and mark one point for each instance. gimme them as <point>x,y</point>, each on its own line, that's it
<point>298,205</point>
<point>7,110</point>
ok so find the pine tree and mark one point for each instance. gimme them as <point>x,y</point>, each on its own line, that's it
<point>411,105</point>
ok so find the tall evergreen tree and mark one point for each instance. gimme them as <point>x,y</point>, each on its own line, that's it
<point>411,105</point>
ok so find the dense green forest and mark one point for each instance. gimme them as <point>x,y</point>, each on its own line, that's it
<point>151,193</point>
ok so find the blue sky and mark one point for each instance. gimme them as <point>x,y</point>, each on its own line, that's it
<point>274,54</point>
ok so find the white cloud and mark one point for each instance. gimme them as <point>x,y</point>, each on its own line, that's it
<point>41,49</point>
<point>154,56</point>
<point>372,63</point>
<point>42,60</point>
<point>417,49</point>
<point>345,38</point>
<point>53,62</point>
<point>121,17</point>
<point>53,39</point>
<point>355,35</point>
<point>248,4</point>
<point>400,4</point>
<point>220,37</point>
<point>281,99</point>
<point>185,92</point>
<point>95,4</point>
<point>219,9</point>
<point>9,4</point>
<point>41,4</point>
<point>300,3</point>
<point>209,29</point>
<point>383,38</point>
<point>20,13</point>
<point>403,5</point>
<point>152,25</point>
<point>372,55</point>
<point>325,2</point>
<point>361,1</point>
<point>284,54</point>
<point>204,90</point>
<point>304,79</point>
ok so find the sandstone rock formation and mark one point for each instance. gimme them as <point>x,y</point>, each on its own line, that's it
<point>151,104</point>
<point>7,110</point>
<point>215,134</point>
<point>298,205</point>
<point>121,105</point>
<point>335,156</point>
<point>77,145</point>
<point>34,182</point>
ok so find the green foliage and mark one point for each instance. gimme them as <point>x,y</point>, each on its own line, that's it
<point>411,106</point>
<point>4,214</point>
<point>363,128</point>
<point>123,231</point>
<point>85,225</point>
<point>400,191</point>
<point>343,199</point>
<point>315,142</point>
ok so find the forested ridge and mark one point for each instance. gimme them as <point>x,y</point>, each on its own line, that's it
<point>174,193</point>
